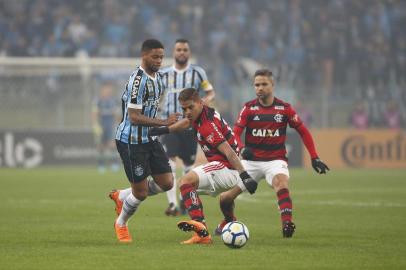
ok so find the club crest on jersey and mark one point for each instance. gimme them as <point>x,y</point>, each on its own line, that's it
<point>278,118</point>
<point>265,133</point>
<point>254,108</point>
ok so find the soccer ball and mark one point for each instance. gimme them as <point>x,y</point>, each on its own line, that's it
<point>235,234</point>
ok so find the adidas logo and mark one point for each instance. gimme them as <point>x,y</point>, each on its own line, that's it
<point>256,118</point>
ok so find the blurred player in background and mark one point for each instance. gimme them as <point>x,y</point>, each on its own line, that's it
<point>265,120</point>
<point>175,78</point>
<point>223,171</point>
<point>142,155</point>
<point>104,118</point>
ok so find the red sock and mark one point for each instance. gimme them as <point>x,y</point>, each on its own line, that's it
<point>285,204</point>
<point>192,202</point>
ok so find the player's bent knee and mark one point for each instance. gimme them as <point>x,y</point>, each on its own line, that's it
<point>140,195</point>
<point>167,186</point>
<point>280,181</point>
<point>225,198</point>
<point>191,178</point>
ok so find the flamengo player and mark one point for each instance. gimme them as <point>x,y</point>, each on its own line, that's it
<point>223,172</point>
<point>265,120</point>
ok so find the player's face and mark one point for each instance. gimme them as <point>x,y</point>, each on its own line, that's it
<point>263,87</point>
<point>153,59</point>
<point>191,109</point>
<point>181,53</point>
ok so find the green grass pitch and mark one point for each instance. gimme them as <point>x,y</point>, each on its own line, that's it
<point>62,219</point>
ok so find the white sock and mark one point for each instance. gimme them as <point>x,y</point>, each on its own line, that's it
<point>171,194</point>
<point>124,194</point>
<point>130,205</point>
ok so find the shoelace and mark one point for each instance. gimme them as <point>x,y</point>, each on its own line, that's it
<point>123,233</point>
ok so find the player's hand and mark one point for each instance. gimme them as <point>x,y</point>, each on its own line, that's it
<point>247,154</point>
<point>157,131</point>
<point>173,118</point>
<point>319,166</point>
<point>249,183</point>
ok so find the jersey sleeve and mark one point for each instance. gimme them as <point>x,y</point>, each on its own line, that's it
<point>242,118</point>
<point>211,134</point>
<point>293,118</point>
<point>205,85</point>
<point>136,88</point>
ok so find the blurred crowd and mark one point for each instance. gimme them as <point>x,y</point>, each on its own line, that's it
<point>347,48</point>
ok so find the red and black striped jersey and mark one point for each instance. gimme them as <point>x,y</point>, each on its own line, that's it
<point>211,131</point>
<point>266,128</point>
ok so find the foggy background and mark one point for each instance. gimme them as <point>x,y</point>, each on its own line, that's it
<point>340,63</point>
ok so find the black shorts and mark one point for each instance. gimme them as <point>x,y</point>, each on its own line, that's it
<point>181,144</point>
<point>142,160</point>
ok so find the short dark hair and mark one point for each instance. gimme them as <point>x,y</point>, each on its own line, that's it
<point>264,72</point>
<point>182,40</point>
<point>150,44</point>
<point>189,94</point>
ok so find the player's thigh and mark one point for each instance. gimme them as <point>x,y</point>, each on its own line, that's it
<point>135,160</point>
<point>158,160</point>
<point>273,168</point>
<point>188,149</point>
<point>254,169</point>
<point>215,178</point>
<point>171,143</point>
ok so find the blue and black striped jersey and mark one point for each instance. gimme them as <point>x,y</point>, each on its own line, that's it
<point>175,80</point>
<point>141,92</point>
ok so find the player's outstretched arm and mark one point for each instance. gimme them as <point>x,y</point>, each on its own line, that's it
<point>176,127</point>
<point>232,157</point>
<point>137,118</point>
<point>318,165</point>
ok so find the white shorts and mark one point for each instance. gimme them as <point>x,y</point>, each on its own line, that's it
<point>215,178</point>
<point>267,169</point>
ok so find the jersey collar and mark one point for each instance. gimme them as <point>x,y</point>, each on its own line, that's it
<point>180,70</point>
<point>149,76</point>
<point>273,102</point>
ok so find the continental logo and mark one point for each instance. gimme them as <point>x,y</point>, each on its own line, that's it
<point>358,150</point>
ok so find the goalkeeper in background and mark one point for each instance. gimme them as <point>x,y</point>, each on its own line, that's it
<point>104,118</point>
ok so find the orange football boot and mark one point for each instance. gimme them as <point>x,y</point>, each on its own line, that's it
<point>122,233</point>
<point>196,239</point>
<point>193,225</point>
<point>114,196</point>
